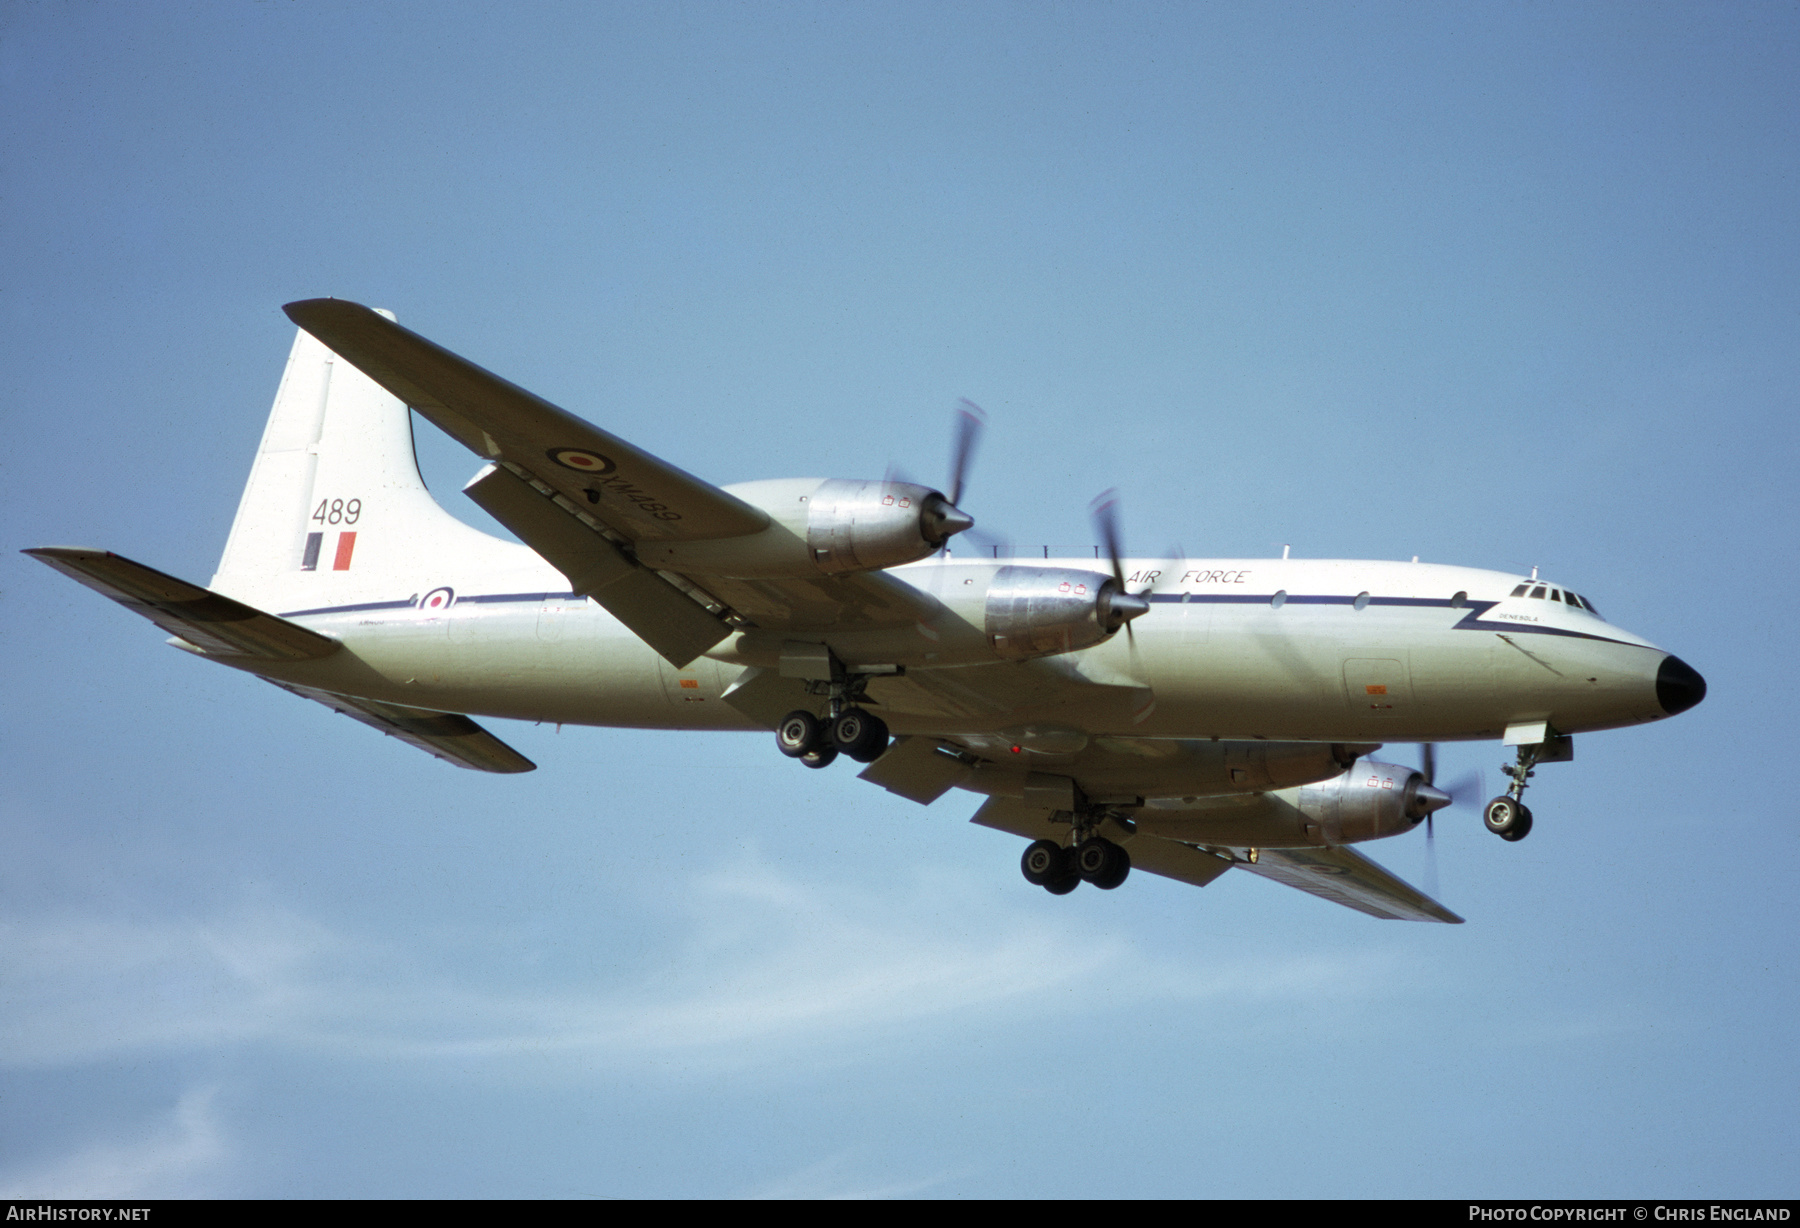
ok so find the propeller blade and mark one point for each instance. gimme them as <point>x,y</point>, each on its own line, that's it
<point>1173,564</point>
<point>1466,790</point>
<point>970,419</point>
<point>1105,511</point>
<point>1431,866</point>
<point>1428,762</point>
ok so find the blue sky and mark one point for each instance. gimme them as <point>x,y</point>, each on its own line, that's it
<point>1502,285</point>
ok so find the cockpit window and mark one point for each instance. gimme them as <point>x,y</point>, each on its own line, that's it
<point>1520,591</point>
<point>1459,601</point>
<point>1556,594</point>
<point>1589,606</point>
<point>1538,591</point>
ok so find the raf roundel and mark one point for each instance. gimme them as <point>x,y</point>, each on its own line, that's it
<point>437,600</point>
<point>581,460</point>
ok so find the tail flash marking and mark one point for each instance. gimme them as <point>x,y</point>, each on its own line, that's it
<point>310,560</point>
<point>346,543</point>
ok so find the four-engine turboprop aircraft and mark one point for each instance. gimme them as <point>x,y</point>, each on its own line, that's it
<point>1231,724</point>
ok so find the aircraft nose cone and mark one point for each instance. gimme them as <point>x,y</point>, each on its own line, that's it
<point>1679,686</point>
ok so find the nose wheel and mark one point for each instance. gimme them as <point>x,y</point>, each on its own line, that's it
<point>1508,818</point>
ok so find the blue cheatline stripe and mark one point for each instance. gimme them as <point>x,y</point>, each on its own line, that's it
<point>410,602</point>
<point>500,597</point>
<point>1305,599</point>
<point>1472,621</point>
<point>351,609</point>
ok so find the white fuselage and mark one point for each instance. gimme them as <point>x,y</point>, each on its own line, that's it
<point>1355,651</point>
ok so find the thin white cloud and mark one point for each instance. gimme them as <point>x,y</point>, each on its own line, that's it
<point>178,1155</point>
<point>837,1177</point>
<point>757,963</point>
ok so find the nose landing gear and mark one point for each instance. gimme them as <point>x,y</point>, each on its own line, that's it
<point>1507,816</point>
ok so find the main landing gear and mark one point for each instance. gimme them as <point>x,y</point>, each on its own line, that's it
<point>1092,859</point>
<point>855,732</point>
<point>846,729</point>
<point>1507,816</point>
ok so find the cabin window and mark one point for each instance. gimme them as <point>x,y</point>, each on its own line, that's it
<point>1460,600</point>
<point>1362,601</point>
<point>1520,591</point>
<point>1278,600</point>
<point>1538,591</point>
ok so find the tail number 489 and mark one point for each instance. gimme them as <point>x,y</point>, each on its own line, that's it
<point>337,511</point>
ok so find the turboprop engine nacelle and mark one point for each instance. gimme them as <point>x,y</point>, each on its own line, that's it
<point>1370,800</point>
<point>831,526</point>
<point>862,526</point>
<point>1039,611</point>
<point>1366,802</point>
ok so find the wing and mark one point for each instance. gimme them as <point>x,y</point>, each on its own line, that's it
<point>586,500</point>
<point>452,738</point>
<point>215,624</point>
<point>1338,874</point>
<point>641,497</point>
<point>1344,876</point>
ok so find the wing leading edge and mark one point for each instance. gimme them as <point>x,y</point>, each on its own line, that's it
<point>640,496</point>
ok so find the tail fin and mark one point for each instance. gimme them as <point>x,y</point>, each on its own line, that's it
<point>335,504</point>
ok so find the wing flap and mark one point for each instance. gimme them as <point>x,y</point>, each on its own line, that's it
<point>917,769</point>
<point>211,622</point>
<point>1344,876</point>
<point>452,738</point>
<point>641,496</point>
<point>656,611</point>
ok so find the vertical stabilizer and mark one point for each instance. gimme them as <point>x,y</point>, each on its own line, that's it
<point>335,506</point>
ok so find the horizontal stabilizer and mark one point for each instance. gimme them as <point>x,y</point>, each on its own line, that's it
<point>454,739</point>
<point>215,624</point>
<point>1346,877</point>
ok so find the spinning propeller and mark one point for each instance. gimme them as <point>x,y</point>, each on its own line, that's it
<point>970,419</point>
<point>1126,605</point>
<point>1464,789</point>
<point>950,518</point>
